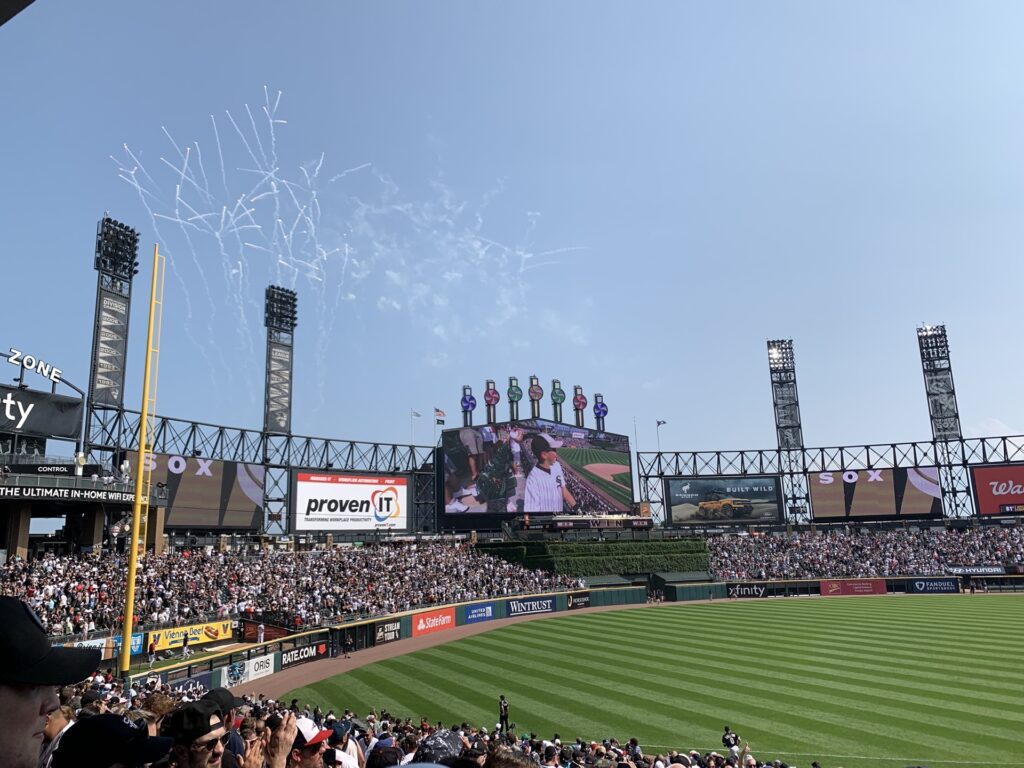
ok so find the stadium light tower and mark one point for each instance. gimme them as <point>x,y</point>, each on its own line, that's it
<point>280,316</point>
<point>944,415</point>
<point>788,427</point>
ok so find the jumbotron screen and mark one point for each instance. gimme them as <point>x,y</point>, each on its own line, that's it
<point>876,493</point>
<point>534,467</point>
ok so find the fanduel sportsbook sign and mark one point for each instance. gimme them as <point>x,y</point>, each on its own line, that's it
<point>935,586</point>
<point>533,605</point>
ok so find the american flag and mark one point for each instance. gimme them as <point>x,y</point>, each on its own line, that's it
<point>439,416</point>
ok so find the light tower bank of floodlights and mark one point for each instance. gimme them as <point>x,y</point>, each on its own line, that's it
<point>280,317</point>
<point>116,264</point>
<point>945,419</point>
<point>788,427</point>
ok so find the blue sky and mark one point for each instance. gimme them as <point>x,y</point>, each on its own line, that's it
<point>631,197</point>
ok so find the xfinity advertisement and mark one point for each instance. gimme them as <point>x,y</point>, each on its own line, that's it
<point>724,500</point>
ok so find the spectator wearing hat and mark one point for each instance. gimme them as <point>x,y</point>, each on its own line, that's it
<point>198,733</point>
<point>546,489</point>
<point>309,744</point>
<point>229,704</point>
<point>30,672</point>
<point>109,740</point>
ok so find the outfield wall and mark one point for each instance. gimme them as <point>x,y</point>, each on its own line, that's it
<point>241,667</point>
<point>718,590</point>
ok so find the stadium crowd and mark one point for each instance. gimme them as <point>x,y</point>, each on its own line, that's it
<point>78,595</point>
<point>862,553</point>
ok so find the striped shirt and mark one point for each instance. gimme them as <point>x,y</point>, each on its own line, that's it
<point>544,489</point>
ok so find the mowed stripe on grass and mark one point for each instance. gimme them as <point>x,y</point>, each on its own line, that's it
<point>855,681</point>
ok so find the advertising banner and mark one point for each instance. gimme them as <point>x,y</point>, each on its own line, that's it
<point>29,493</point>
<point>350,502</point>
<point>387,632</point>
<point>576,600</point>
<point>181,684</point>
<point>480,612</point>
<point>876,493</point>
<point>198,634</point>
<point>137,646</point>
<point>248,670</point>
<point>306,653</point>
<point>205,493</point>
<point>529,605</point>
<point>840,587</point>
<point>935,586</point>
<point>109,353</point>
<point>998,489</point>
<point>429,622</point>
<point>975,570</point>
<point>278,395</point>
<point>722,500</point>
<point>497,469</point>
<point>29,412</point>
<point>747,589</point>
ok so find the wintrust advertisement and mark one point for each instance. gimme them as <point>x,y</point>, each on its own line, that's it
<point>428,622</point>
<point>529,605</point>
<point>999,489</point>
<point>350,502</point>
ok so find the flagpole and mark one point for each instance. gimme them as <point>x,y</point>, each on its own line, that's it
<point>412,427</point>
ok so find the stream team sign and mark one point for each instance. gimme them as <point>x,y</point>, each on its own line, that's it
<point>349,502</point>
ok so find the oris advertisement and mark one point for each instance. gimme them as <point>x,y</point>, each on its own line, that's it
<point>999,489</point>
<point>479,612</point>
<point>722,500</point>
<point>350,502</point>
<point>303,654</point>
<point>207,494</point>
<point>529,605</point>
<point>576,600</point>
<point>876,493</point>
<point>935,586</point>
<point>387,632</point>
<point>250,669</point>
<point>428,622</point>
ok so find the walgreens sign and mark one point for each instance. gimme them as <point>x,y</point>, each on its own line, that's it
<point>433,621</point>
<point>999,489</point>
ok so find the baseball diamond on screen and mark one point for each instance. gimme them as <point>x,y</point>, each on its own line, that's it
<point>535,467</point>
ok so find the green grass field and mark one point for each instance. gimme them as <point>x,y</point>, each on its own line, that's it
<point>620,487</point>
<point>862,681</point>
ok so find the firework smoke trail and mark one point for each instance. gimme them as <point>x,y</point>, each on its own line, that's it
<point>380,251</point>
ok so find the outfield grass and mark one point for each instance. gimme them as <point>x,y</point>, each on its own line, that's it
<point>933,680</point>
<point>620,488</point>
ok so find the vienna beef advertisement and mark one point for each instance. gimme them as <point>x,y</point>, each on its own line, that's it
<point>999,489</point>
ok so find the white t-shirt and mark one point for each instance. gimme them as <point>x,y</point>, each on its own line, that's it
<point>544,489</point>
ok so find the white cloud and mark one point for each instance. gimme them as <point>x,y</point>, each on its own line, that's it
<point>990,427</point>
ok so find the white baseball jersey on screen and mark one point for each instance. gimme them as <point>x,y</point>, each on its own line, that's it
<point>544,489</point>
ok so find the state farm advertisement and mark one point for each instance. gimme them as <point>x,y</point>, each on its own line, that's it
<point>840,587</point>
<point>433,621</point>
<point>350,502</point>
<point>999,489</point>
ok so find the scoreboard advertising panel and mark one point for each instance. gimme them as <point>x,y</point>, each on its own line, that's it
<point>349,502</point>
<point>722,500</point>
<point>998,489</point>
<point>876,494</point>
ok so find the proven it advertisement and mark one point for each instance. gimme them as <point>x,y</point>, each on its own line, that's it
<point>350,502</point>
<point>999,489</point>
<point>876,493</point>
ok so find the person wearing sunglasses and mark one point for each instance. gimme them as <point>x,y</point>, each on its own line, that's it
<point>199,735</point>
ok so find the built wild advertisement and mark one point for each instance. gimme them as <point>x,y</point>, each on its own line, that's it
<point>723,500</point>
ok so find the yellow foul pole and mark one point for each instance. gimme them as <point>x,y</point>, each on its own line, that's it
<point>141,489</point>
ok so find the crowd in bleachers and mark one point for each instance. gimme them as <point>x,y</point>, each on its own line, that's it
<point>75,595</point>
<point>862,553</point>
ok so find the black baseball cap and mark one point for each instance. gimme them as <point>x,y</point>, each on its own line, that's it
<point>104,740</point>
<point>224,699</point>
<point>29,658</point>
<point>191,721</point>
